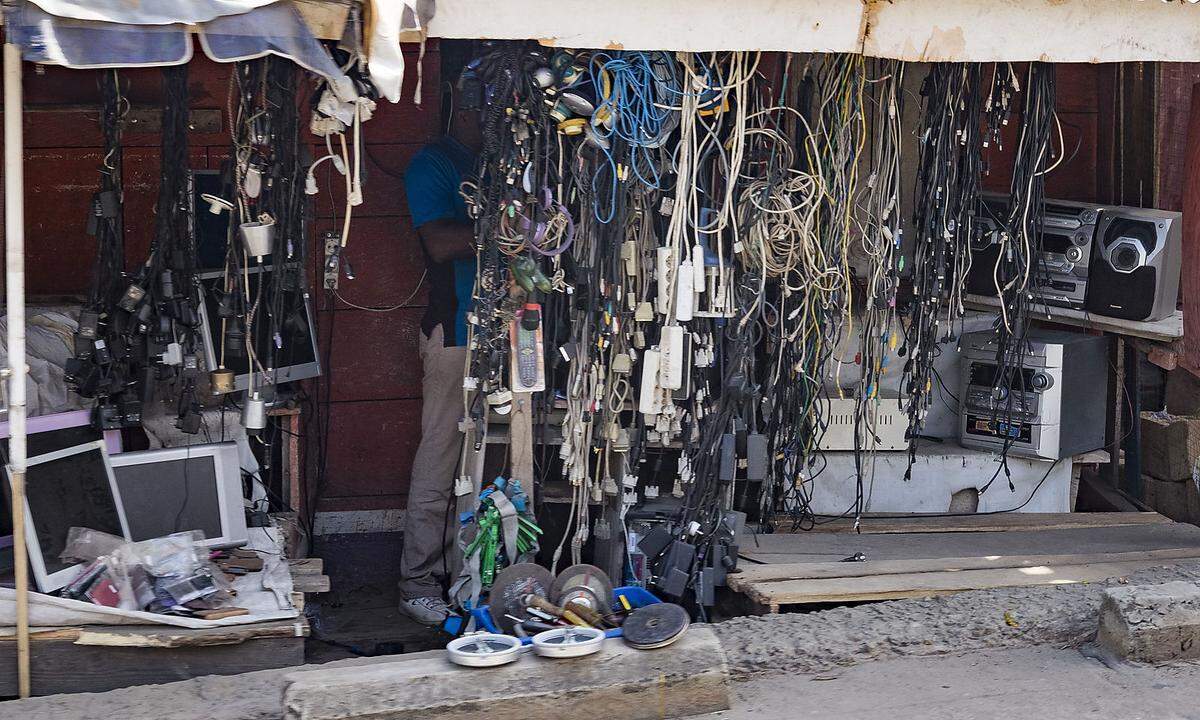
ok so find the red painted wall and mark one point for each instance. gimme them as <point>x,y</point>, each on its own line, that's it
<point>374,373</point>
<point>374,413</point>
<point>375,409</point>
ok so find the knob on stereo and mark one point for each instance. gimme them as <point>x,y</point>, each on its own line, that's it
<point>1074,254</point>
<point>1041,381</point>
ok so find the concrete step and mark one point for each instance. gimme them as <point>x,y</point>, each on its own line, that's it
<point>687,678</point>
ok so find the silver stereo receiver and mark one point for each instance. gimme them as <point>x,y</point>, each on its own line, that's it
<point>1068,235</point>
<point>1021,402</point>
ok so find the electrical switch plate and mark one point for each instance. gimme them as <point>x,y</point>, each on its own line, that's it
<point>333,244</point>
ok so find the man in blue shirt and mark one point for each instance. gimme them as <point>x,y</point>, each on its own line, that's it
<point>447,236</point>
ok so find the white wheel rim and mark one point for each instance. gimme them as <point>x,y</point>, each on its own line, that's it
<point>483,650</point>
<point>568,642</point>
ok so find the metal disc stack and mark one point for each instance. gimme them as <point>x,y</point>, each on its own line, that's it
<point>655,626</point>
<point>584,584</point>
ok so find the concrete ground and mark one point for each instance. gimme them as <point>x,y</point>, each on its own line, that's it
<point>982,654</point>
<point>1045,683</point>
<point>360,616</point>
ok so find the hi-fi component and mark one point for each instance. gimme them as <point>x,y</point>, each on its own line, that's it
<point>1018,403</point>
<point>1135,264</point>
<point>1121,262</point>
<point>1067,236</point>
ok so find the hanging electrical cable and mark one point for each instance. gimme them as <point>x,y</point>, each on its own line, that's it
<point>944,211</point>
<point>881,241</point>
<point>1020,245</point>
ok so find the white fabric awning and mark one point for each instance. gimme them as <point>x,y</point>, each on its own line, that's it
<point>147,13</point>
<point>915,30</point>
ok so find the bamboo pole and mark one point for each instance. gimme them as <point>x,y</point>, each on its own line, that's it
<point>14,275</point>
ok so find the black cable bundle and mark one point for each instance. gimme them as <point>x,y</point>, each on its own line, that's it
<point>151,319</point>
<point>171,278</point>
<point>512,117</point>
<point>283,329</point>
<point>1019,233</point>
<point>944,208</point>
<point>101,366</point>
<point>106,205</point>
<point>798,228</point>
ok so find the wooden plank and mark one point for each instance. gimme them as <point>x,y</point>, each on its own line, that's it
<point>982,523</point>
<point>166,636</point>
<point>1165,330</point>
<point>929,584</point>
<point>520,432</point>
<point>832,547</point>
<point>174,637</point>
<point>306,566</point>
<point>61,666</point>
<point>760,575</point>
<point>310,583</point>
<point>1190,271</point>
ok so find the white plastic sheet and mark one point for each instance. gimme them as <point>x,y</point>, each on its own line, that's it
<point>258,30</point>
<point>52,40</point>
<point>266,594</point>
<point>385,59</point>
<point>156,12</point>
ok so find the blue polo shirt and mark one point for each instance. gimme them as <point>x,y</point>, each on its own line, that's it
<point>432,182</point>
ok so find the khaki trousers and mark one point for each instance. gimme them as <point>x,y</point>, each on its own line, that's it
<point>430,522</point>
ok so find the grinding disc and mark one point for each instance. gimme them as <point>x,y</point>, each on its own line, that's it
<point>508,593</point>
<point>655,626</point>
<point>585,584</point>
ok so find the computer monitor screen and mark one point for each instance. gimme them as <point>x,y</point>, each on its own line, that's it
<point>178,489</point>
<point>68,488</point>
<point>287,356</point>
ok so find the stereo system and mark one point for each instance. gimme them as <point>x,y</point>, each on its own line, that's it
<point>1021,401</point>
<point>1120,262</point>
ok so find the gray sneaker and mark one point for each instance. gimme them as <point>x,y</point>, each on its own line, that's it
<point>425,610</point>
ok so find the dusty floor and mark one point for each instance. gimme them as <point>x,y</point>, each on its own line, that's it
<point>1043,683</point>
<point>990,663</point>
<point>1059,616</point>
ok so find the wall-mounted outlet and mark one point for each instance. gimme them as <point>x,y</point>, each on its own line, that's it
<point>333,260</point>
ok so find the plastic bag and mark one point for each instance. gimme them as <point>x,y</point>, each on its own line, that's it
<point>86,545</point>
<point>171,574</point>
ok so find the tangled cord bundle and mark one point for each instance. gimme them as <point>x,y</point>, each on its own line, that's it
<point>752,211</point>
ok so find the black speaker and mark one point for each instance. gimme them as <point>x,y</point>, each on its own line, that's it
<point>984,253</point>
<point>985,246</point>
<point>1134,271</point>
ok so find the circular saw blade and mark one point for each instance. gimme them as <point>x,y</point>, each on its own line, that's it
<point>508,593</point>
<point>585,584</point>
<point>655,626</point>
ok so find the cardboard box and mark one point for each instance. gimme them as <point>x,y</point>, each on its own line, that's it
<point>1170,446</point>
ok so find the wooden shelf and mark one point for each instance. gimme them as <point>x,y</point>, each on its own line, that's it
<point>1166,330</point>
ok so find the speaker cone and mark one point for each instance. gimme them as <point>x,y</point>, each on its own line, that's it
<point>1126,255</point>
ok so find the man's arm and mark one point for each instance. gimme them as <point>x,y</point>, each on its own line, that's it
<point>447,239</point>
